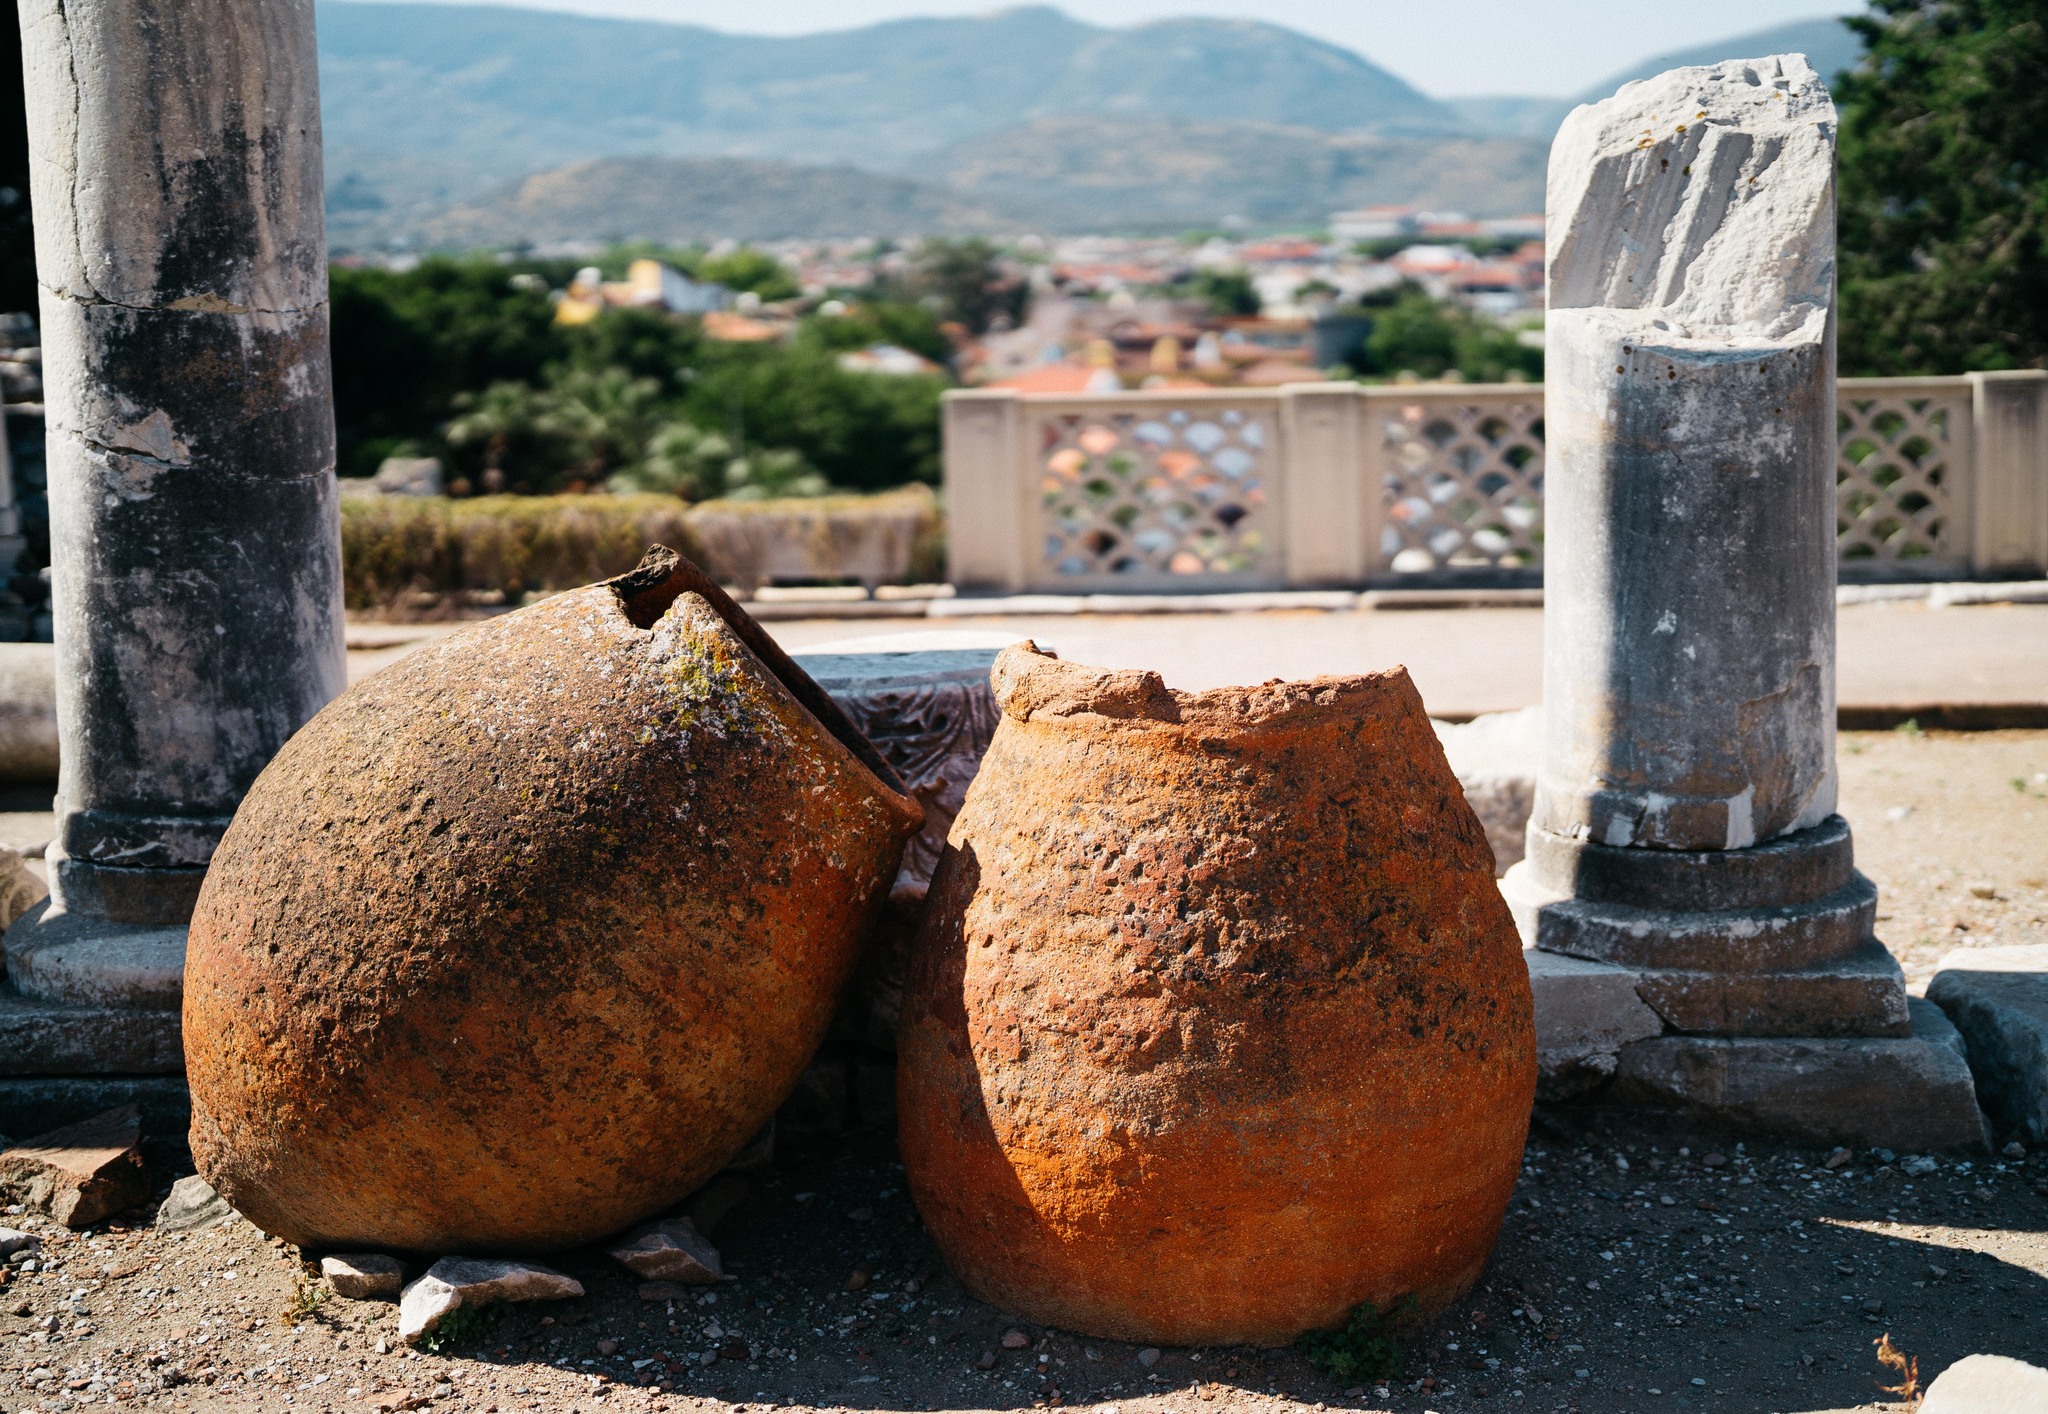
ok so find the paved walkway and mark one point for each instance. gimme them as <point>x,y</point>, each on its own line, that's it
<point>1892,657</point>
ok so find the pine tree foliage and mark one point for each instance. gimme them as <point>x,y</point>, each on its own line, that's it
<point>1944,188</point>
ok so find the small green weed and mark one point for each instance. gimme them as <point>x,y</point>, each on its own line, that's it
<point>461,1324</point>
<point>307,1297</point>
<point>1366,1348</point>
<point>1909,727</point>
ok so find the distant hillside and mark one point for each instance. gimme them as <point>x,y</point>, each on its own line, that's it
<point>1829,45</point>
<point>1082,172</point>
<point>677,200</point>
<point>459,96</point>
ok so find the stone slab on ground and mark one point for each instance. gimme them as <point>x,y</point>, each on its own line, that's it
<point>1988,1384</point>
<point>83,1173</point>
<point>1585,1013</point>
<point>1998,1000</point>
<point>1902,1093</point>
<point>455,1282</point>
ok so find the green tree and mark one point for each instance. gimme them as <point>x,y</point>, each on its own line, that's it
<point>1412,333</point>
<point>507,426</point>
<point>1229,292</point>
<point>967,280</point>
<point>750,271</point>
<point>406,343</point>
<point>1944,188</point>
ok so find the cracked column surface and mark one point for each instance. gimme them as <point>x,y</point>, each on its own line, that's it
<point>195,540</point>
<point>1684,821</point>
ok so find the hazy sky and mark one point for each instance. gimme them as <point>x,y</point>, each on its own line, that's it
<point>1444,47</point>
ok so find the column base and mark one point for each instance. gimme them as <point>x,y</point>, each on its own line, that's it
<point>74,959</point>
<point>1905,1093</point>
<point>90,1020</point>
<point>1763,942</point>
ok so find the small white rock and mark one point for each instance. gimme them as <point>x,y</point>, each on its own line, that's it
<point>12,1241</point>
<point>670,1251</point>
<point>455,1282</point>
<point>363,1276</point>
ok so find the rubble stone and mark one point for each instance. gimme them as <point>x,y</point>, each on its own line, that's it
<point>363,1276</point>
<point>193,1206</point>
<point>1987,1384</point>
<point>672,1250</point>
<point>455,1282</point>
<point>1998,1000</point>
<point>83,1173</point>
<point>1217,1026</point>
<point>1495,758</point>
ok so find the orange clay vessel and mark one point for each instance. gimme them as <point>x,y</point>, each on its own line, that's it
<point>1217,1026</point>
<point>521,939</point>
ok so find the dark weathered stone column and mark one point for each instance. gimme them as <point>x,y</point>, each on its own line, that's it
<point>194,537</point>
<point>1684,827</point>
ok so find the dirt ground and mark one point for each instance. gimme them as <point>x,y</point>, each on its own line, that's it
<point>1641,1265</point>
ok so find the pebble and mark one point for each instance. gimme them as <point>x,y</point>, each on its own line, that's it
<point>1981,890</point>
<point>1015,1340</point>
<point>987,1360</point>
<point>193,1206</point>
<point>1918,1165</point>
<point>1714,1161</point>
<point>1873,1307</point>
<point>2014,1150</point>
<point>857,1279</point>
<point>607,1346</point>
<point>12,1241</point>
<point>1149,1356</point>
<point>1839,1159</point>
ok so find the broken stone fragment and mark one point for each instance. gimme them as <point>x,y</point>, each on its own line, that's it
<point>193,1206</point>
<point>80,1174</point>
<point>363,1276</point>
<point>455,1282</point>
<point>1987,1384</point>
<point>12,1241</point>
<point>672,1250</point>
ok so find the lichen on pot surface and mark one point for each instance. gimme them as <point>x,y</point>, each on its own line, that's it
<point>1217,1027</point>
<point>523,937</point>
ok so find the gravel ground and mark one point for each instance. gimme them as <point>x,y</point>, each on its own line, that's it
<point>1642,1266</point>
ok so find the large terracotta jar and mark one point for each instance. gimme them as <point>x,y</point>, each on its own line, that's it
<point>523,937</point>
<point>1217,1027</point>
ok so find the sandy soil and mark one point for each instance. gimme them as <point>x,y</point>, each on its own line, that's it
<point>1755,1283</point>
<point>1953,829</point>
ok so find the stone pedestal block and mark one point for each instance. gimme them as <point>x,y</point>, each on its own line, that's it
<point>1908,1092</point>
<point>1998,1000</point>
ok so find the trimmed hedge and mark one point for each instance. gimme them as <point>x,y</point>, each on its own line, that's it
<point>412,555</point>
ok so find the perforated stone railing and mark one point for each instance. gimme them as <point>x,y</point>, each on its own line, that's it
<point>1439,484</point>
<point>1898,480</point>
<point>1162,494</point>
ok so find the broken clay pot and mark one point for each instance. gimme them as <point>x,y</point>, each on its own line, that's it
<point>523,938</point>
<point>1217,1026</point>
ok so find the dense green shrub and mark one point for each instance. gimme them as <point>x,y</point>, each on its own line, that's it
<point>395,546</point>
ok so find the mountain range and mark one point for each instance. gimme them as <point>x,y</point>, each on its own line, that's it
<point>475,124</point>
